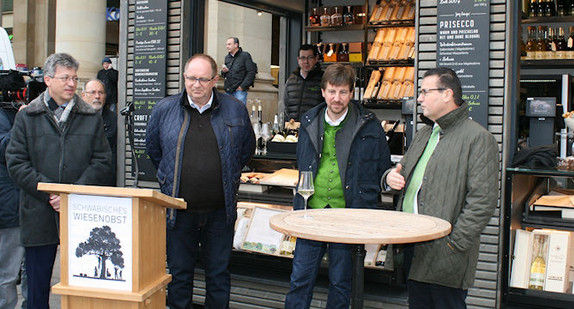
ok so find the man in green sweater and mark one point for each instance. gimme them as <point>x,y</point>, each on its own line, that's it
<point>344,146</point>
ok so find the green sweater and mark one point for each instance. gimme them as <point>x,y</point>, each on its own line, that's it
<point>328,185</point>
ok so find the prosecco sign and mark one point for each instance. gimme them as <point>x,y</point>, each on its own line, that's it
<point>463,45</point>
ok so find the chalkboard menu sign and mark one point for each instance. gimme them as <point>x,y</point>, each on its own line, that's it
<point>463,45</point>
<point>149,76</point>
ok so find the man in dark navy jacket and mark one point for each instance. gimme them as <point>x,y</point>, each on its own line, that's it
<point>199,140</point>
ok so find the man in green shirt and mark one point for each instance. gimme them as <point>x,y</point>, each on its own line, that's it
<point>344,146</point>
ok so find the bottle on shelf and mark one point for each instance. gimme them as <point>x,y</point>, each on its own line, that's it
<point>330,55</point>
<point>561,8</point>
<point>336,17</point>
<point>534,8</point>
<point>571,8</point>
<point>260,142</point>
<point>560,44</point>
<point>548,8</point>
<point>319,46</point>
<point>343,54</point>
<point>276,128</point>
<point>314,18</point>
<point>531,43</point>
<point>538,268</point>
<point>570,43</point>
<point>325,17</point>
<point>348,17</point>
<point>550,46</point>
<point>541,43</point>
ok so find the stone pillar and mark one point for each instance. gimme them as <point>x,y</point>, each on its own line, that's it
<point>33,41</point>
<point>81,32</point>
<point>254,33</point>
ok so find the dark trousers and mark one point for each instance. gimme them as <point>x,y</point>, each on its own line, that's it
<point>431,296</point>
<point>215,236</point>
<point>39,265</point>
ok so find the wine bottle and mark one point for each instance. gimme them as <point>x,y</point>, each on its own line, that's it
<point>531,43</point>
<point>538,268</point>
<point>534,8</point>
<point>560,44</point>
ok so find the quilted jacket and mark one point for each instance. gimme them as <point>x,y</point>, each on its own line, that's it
<point>362,153</point>
<point>302,94</point>
<point>166,132</point>
<point>460,185</point>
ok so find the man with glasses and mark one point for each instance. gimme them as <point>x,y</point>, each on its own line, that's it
<point>450,172</point>
<point>303,87</point>
<point>199,140</point>
<point>94,93</point>
<point>57,138</point>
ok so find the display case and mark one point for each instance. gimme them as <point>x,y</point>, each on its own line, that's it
<point>523,216</point>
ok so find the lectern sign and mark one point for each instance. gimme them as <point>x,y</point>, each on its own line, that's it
<point>100,248</point>
<point>463,45</point>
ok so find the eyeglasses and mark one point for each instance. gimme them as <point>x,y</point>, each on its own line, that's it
<point>308,58</point>
<point>201,80</point>
<point>424,92</point>
<point>66,79</point>
<point>93,92</point>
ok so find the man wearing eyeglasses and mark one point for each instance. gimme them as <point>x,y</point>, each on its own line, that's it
<point>199,140</point>
<point>450,172</point>
<point>303,87</point>
<point>94,93</point>
<point>57,138</point>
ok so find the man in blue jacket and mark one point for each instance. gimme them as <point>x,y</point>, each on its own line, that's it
<point>344,146</point>
<point>199,140</point>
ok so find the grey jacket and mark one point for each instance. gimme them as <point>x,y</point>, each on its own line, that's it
<point>460,185</point>
<point>42,151</point>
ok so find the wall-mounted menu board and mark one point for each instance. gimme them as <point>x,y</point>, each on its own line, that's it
<point>149,76</point>
<point>463,45</point>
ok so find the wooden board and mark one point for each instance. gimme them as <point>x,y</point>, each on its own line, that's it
<point>360,226</point>
<point>284,177</point>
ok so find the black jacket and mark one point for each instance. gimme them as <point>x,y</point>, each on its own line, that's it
<point>242,71</point>
<point>8,189</point>
<point>301,94</point>
<point>110,79</point>
<point>40,150</point>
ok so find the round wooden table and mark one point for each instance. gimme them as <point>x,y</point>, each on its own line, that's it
<point>359,227</point>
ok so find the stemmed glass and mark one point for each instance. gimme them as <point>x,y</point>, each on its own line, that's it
<point>265,134</point>
<point>305,187</point>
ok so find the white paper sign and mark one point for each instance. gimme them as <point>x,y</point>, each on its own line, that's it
<point>100,242</point>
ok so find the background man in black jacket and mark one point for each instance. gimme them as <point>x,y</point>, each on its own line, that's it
<point>109,76</point>
<point>303,87</point>
<point>239,70</point>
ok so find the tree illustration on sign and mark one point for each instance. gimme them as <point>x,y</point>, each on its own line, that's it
<point>104,244</point>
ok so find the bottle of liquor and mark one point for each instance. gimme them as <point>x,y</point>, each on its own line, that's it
<point>319,46</point>
<point>348,17</point>
<point>330,54</point>
<point>561,8</point>
<point>550,46</point>
<point>540,44</point>
<point>343,54</point>
<point>325,17</point>
<point>570,44</point>
<point>275,129</point>
<point>538,268</point>
<point>260,143</point>
<point>571,8</point>
<point>314,19</point>
<point>531,43</point>
<point>534,8</point>
<point>560,44</point>
<point>548,8</point>
<point>337,17</point>
<point>522,49</point>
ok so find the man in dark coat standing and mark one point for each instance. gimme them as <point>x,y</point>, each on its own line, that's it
<point>94,93</point>
<point>303,87</point>
<point>239,70</point>
<point>58,138</point>
<point>109,76</point>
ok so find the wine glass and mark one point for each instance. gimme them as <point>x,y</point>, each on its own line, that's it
<point>305,187</point>
<point>266,135</point>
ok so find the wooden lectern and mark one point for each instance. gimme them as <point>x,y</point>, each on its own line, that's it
<point>112,246</point>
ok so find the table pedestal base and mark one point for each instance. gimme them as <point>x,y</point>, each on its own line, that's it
<point>358,276</point>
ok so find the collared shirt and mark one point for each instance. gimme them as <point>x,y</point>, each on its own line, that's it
<point>336,122</point>
<point>200,109</point>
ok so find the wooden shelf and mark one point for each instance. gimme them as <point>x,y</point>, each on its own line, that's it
<point>382,104</point>
<point>335,28</point>
<point>546,64</point>
<point>391,63</point>
<point>548,20</point>
<point>393,23</point>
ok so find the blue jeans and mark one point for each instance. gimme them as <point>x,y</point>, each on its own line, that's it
<point>183,241</point>
<point>39,266</point>
<point>241,95</point>
<point>306,262</point>
<point>11,255</point>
